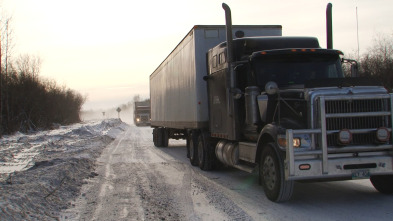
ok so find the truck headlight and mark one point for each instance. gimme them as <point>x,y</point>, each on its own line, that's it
<point>296,142</point>
<point>137,119</point>
<point>301,141</point>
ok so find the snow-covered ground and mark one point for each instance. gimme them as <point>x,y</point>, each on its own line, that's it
<point>109,170</point>
<point>41,172</point>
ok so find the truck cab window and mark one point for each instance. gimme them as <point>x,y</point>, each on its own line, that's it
<point>295,70</point>
<point>214,61</point>
<point>221,58</point>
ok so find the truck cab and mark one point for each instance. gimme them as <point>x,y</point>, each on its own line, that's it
<point>295,114</point>
<point>277,105</point>
<point>142,113</point>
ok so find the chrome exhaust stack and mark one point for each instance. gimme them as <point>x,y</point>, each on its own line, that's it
<point>329,26</point>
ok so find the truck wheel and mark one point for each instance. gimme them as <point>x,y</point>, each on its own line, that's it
<point>383,183</point>
<point>155,137</point>
<point>165,137</point>
<point>188,138</point>
<point>271,175</point>
<point>204,152</point>
<point>158,137</point>
<point>194,148</point>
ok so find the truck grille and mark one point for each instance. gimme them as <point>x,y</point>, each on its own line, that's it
<point>358,115</point>
<point>144,118</point>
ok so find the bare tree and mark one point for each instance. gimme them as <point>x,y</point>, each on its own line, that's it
<point>378,62</point>
<point>6,46</point>
<point>137,97</point>
<point>29,64</point>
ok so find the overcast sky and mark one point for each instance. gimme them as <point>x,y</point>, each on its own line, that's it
<point>106,49</point>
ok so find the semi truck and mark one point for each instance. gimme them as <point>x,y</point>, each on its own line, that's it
<point>142,113</point>
<point>255,100</point>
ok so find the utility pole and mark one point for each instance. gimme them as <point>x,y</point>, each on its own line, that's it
<point>1,94</point>
<point>357,30</point>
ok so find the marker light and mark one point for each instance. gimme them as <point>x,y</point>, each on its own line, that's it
<point>304,166</point>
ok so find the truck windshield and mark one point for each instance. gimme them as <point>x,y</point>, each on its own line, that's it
<point>295,70</point>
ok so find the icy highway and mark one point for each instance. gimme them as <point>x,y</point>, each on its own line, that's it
<point>137,181</point>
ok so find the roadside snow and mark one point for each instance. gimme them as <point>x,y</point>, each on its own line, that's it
<point>41,172</point>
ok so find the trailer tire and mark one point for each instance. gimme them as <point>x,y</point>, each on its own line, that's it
<point>383,183</point>
<point>155,137</point>
<point>193,145</point>
<point>158,137</point>
<point>165,137</point>
<point>272,176</point>
<point>205,157</point>
<point>188,138</point>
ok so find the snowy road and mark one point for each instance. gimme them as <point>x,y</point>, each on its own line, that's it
<point>137,181</point>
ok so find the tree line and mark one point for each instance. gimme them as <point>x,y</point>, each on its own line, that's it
<point>377,62</point>
<point>28,101</point>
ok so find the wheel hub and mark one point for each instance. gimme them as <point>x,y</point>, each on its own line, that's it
<point>269,173</point>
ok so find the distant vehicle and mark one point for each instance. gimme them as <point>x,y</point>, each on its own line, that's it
<point>142,113</point>
<point>277,105</point>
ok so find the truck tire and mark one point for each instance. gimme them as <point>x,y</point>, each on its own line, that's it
<point>155,137</point>
<point>205,157</point>
<point>188,138</point>
<point>272,176</point>
<point>158,137</point>
<point>165,137</point>
<point>383,183</point>
<point>193,145</point>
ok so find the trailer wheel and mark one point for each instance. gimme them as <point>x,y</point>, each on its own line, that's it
<point>188,138</point>
<point>155,137</point>
<point>204,152</point>
<point>158,137</point>
<point>383,183</point>
<point>194,147</point>
<point>271,175</point>
<point>165,137</point>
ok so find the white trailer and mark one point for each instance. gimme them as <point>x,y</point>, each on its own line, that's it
<point>178,92</point>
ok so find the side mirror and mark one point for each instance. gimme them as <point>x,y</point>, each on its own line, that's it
<point>271,88</point>
<point>354,66</point>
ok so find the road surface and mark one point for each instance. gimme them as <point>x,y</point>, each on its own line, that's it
<point>137,181</point>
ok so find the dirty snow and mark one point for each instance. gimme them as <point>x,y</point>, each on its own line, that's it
<point>108,170</point>
<point>41,172</point>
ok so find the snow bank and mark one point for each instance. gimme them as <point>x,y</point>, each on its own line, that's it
<point>41,172</point>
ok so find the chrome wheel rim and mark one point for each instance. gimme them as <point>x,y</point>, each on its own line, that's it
<point>269,173</point>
